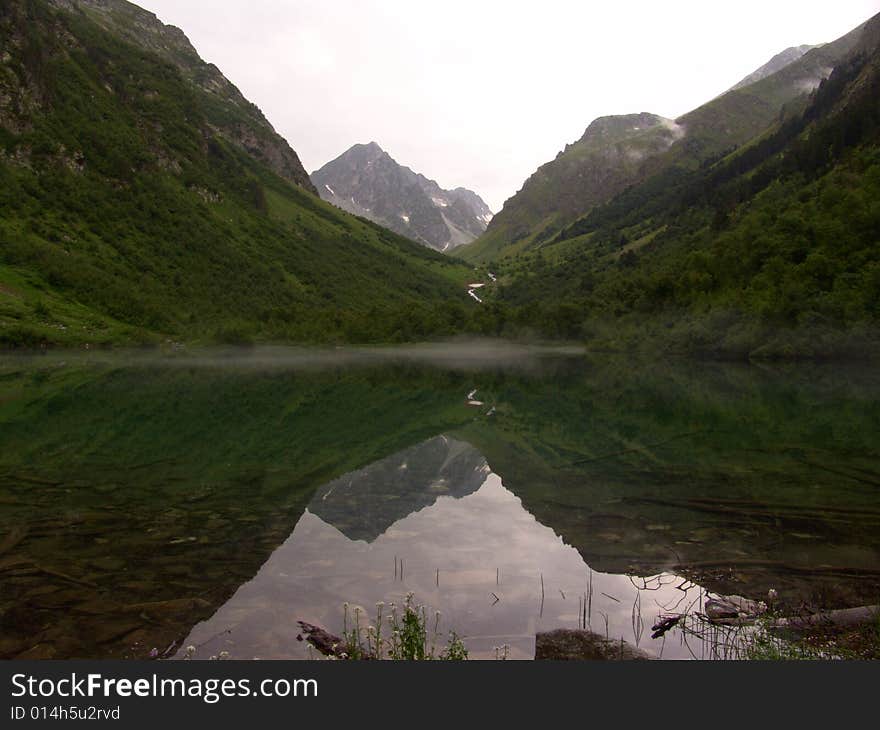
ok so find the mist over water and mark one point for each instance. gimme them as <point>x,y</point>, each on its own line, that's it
<point>459,354</point>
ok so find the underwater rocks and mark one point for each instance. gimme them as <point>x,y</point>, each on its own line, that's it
<point>582,645</point>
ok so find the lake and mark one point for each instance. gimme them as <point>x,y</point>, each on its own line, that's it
<point>155,501</point>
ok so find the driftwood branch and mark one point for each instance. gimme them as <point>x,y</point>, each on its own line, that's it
<point>837,619</point>
<point>664,625</point>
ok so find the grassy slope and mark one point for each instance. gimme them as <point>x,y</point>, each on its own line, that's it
<point>126,213</point>
<point>588,172</point>
<point>772,250</point>
<point>565,189</point>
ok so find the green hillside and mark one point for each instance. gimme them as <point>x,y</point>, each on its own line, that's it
<point>608,157</point>
<point>772,250</point>
<point>600,166</point>
<point>142,198</point>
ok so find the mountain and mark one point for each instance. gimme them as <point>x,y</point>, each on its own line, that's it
<point>769,250</point>
<point>143,198</point>
<point>362,505</point>
<point>777,63</point>
<point>596,168</point>
<point>366,181</point>
<point>606,159</point>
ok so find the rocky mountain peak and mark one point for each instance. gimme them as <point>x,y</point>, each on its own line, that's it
<point>367,181</point>
<point>777,63</point>
<point>622,123</point>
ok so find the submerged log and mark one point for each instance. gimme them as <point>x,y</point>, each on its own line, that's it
<point>170,607</point>
<point>13,538</point>
<point>28,567</point>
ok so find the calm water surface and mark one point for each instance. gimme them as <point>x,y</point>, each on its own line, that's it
<point>216,499</point>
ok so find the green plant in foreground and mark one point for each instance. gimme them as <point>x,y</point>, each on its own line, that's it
<point>857,642</point>
<point>764,646</point>
<point>408,637</point>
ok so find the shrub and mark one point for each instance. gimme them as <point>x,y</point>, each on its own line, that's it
<point>407,638</point>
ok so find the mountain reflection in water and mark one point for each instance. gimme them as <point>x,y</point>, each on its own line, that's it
<point>435,521</point>
<point>140,495</point>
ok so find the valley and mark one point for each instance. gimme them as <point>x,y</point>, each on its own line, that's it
<point>241,403</point>
<point>168,211</point>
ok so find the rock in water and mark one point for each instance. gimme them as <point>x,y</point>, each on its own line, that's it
<point>736,608</point>
<point>322,640</point>
<point>581,645</point>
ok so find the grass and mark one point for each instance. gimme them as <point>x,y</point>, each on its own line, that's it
<point>765,645</point>
<point>33,313</point>
<point>405,633</point>
<point>763,642</point>
<point>861,642</point>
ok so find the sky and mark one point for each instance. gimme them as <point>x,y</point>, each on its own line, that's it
<point>480,93</point>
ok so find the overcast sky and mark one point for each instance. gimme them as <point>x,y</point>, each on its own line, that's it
<point>479,93</point>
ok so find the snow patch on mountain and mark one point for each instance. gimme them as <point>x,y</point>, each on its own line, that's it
<point>367,181</point>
